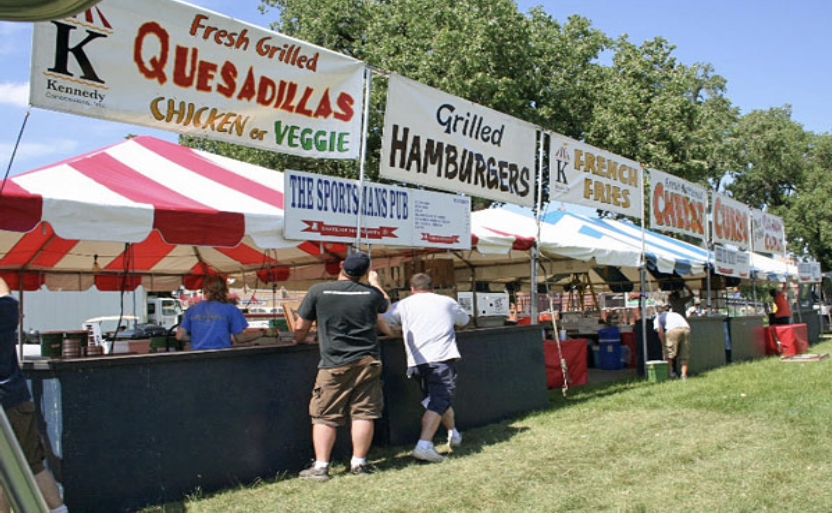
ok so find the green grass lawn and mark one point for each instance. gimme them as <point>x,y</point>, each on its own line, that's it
<point>749,437</point>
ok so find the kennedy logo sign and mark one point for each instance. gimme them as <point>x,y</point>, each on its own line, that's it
<point>175,67</point>
<point>325,208</point>
<point>585,175</point>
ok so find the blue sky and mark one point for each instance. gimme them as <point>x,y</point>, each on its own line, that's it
<point>771,53</point>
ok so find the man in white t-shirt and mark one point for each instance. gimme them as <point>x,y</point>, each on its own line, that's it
<point>674,333</point>
<point>695,310</point>
<point>428,321</point>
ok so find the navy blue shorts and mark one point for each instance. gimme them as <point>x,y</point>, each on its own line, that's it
<point>438,383</point>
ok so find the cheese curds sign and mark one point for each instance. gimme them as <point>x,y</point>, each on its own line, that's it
<point>172,66</point>
<point>730,221</point>
<point>678,205</point>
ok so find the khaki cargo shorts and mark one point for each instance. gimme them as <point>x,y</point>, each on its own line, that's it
<point>23,422</point>
<point>677,343</point>
<point>353,389</point>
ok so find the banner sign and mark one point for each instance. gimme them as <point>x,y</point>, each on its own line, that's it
<point>172,66</point>
<point>678,205</point>
<point>585,175</point>
<point>732,263</point>
<point>326,208</point>
<point>436,139</point>
<point>768,232</point>
<point>808,272</point>
<point>730,221</point>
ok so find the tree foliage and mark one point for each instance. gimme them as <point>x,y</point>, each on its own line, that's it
<point>637,101</point>
<point>773,150</point>
<point>809,218</point>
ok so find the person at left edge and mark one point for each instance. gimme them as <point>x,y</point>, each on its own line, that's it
<point>214,322</point>
<point>19,407</point>
<point>348,383</point>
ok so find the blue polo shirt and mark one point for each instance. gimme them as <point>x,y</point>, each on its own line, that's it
<point>211,324</point>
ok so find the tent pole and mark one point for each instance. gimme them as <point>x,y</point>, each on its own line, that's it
<point>368,81</point>
<point>20,333</point>
<point>643,280</point>
<point>709,267</point>
<point>533,311</point>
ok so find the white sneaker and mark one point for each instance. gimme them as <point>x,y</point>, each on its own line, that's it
<point>454,441</point>
<point>428,454</point>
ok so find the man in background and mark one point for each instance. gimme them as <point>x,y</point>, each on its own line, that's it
<point>428,322</point>
<point>782,309</point>
<point>674,333</point>
<point>695,310</point>
<point>19,407</point>
<point>349,374</point>
<point>679,298</point>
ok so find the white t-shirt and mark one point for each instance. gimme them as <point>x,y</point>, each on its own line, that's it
<point>673,320</point>
<point>427,320</point>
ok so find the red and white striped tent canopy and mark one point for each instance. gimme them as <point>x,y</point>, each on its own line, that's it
<point>152,213</point>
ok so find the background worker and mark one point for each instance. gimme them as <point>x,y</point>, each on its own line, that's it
<point>428,322</point>
<point>679,298</point>
<point>215,322</point>
<point>348,382</point>
<point>19,407</point>
<point>782,309</point>
<point>674,333</point>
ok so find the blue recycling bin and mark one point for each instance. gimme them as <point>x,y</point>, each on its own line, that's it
<point>609,340</point>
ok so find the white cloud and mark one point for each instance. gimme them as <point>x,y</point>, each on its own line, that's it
<point>35,154</point>
<point>16,94</point>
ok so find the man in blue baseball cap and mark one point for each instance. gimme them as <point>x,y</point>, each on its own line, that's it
<point>348,383</point>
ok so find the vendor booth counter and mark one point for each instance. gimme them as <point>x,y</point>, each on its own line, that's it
<point>786,339</point>
<point>125,432</point>
<point>715,342</point>
<point>575,354</point>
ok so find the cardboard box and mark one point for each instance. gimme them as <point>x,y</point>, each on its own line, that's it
<point>488,304</point>
<point>138,346</point>
<point>440,270</point>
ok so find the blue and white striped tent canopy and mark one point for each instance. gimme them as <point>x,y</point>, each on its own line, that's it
<point>768,269</point>
<point>664,254</point>
<point>618,243</point>
<point>670,255</point>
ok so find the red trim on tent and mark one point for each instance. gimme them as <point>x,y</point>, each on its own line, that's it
<point>200,225</point>
<point>276,274</point>
<point>247,255</point>
<point>118,282</point>
<point>56,249</point>
<point>195,162</point>
<point>31,281</point>
<point>40,248</point>
<point>20,211</point>
<point>520,243</point>
<point>141,256</point>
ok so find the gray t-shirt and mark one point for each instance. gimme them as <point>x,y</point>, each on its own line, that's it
<point>346,313</point>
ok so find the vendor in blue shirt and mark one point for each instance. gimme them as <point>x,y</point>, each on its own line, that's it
<point>214,323</point>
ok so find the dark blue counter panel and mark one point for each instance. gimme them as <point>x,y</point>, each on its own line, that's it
<point>131,431</point>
